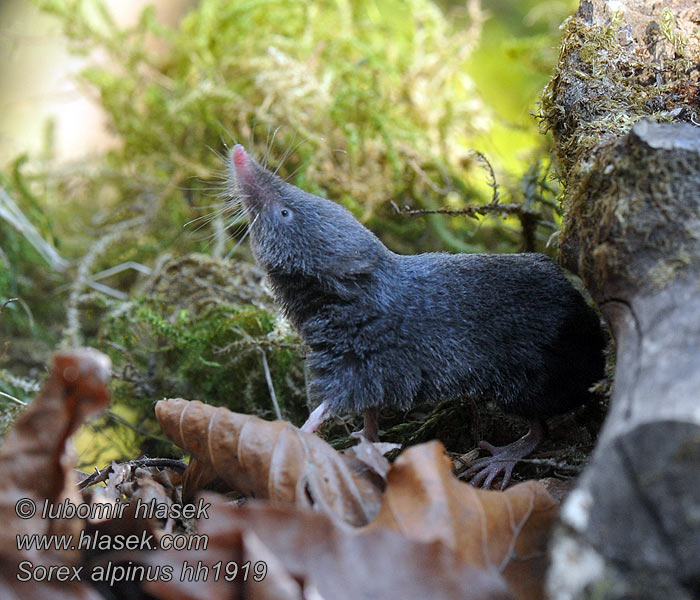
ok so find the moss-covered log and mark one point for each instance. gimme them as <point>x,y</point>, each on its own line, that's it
<point>623,107</point>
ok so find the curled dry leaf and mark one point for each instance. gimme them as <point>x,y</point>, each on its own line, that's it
<point>372,454</point>
<point>306,555</point>
<point>215,572</point>
<point>502,531</point>
<point>280,585</point>
<point>35,461</point>
<point>200,476</point>
<point>111,540</point>
<point>36,464</point>
<point>273,460</point>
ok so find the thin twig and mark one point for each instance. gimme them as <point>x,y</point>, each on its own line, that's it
<point>122,421</point>
<point>491,181</point>
<point>125,266</point>
<point>270,387</point>
<point>8,301</point>
<point>163,463</point>
<point>105,289</point>
<point>220,236</point>
<point>17,400</point>
<point>72,335</point>
<point>97,477</point>
<point>10,212</point>
<point>476,210</point>
<point>471,210</point>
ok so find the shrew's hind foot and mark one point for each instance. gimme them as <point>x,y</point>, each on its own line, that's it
<point>370,432</point>
<point>504,458</point>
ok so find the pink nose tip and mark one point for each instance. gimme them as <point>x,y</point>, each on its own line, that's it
<point>240,158</point>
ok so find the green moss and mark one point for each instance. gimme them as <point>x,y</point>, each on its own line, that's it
<point>670,31</point>
<point>9,412</point>
<point>604,84</point>
<point>362,102</point>
<point>193,337</point>
<point>213,354</point>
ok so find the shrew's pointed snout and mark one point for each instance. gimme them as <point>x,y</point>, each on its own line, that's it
<point>240,159</point>
<point>248,179</point>
<point>242,169</point>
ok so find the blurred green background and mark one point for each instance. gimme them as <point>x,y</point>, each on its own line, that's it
<point>115,230</point>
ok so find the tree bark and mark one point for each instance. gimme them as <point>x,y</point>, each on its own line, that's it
<point>623,107</point>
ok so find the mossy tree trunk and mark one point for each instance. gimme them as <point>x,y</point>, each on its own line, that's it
<point>624,108</point>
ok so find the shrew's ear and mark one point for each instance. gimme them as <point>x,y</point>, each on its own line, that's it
<point>346,275</point>
<point>355,265</point>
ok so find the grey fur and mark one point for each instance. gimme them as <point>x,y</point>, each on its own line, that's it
<point>391,330</point>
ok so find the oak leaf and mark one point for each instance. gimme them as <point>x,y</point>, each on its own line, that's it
<point>36,465</point>
<point>502,531</point>
<point>307,555</point>
<point>273,460</point>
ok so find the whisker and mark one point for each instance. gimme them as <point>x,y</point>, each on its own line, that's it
<point>222,204</point>
<point>245,235</point>
<point>204,224</point>
<point>268,150</point>
<point>265,155</point>
<point>205,218</point>
<point>286,153</point>
<point>220,155</point>
<point>234,222</point>
<point>295,171</point>
<point>290,151</point>
<point>225,130</point>
<point>251,141</point>
<point>190,188</point>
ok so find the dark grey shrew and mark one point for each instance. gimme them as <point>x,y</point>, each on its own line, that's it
<point>390,330</point>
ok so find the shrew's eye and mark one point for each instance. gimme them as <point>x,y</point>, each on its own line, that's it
<point>285,213</point>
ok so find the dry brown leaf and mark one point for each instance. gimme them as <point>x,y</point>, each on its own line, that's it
<point>506,531</point>
<point>200,476</point>
<point>323,559</point>
<point>193,569</point>
<point>278,584</point>
<point>228,548</point>
<point>12,589</point>
<point>372,454</point>
<point>273,460</point>
<point>99,562</point>
<point>36,464</point>
<point>35,461</point>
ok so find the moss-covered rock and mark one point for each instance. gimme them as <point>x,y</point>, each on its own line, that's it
<point>201,331</point>
<point>610,77</point>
